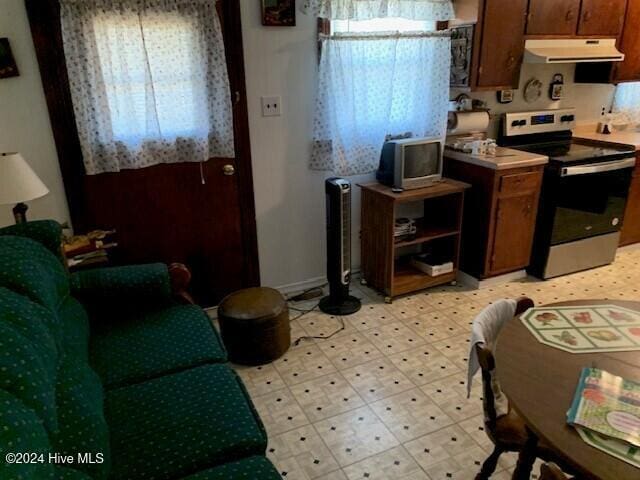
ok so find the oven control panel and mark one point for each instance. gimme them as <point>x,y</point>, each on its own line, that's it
<point>538,121</point>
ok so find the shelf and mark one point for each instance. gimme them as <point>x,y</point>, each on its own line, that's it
<point>407,279</point>
<point>426,233</point>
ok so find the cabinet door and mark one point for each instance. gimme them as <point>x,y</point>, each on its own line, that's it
<point>629,70</point>
<point>502,46</point>
<point>513,237</point>
<point>602,17</point>
<point>631,225</point>
<point>550,17</point>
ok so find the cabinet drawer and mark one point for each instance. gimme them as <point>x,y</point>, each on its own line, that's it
<point>520,182</point>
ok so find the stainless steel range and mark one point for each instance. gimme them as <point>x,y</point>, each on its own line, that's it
<point>584,192</point>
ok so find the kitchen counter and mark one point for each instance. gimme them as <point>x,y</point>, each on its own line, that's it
<point>505,158</point>
<point>629,137</point>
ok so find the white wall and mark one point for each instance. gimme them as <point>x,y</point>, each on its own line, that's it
<point>290,201</point>
<point>588,99</point>
<point>24,119</point>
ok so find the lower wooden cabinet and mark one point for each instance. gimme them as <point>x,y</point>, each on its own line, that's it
<point>631,224</point>
<point>500,217</point>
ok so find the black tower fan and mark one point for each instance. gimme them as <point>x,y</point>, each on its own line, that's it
<point>339,302</point>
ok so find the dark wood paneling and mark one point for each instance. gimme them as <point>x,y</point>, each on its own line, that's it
<point>162,213</point>
<point>502,46</point>
<point>602,17</point>
<point>44,17</point>
<point>551,17</point>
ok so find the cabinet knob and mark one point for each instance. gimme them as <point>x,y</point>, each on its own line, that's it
<point>229,169</point>
<point>570,15</point>
<point>511,61</point>
<point>587,16</point>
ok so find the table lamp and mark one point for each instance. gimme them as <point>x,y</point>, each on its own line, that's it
<point>18,184</point>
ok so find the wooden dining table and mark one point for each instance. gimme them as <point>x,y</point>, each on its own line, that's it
<point>540,382</point>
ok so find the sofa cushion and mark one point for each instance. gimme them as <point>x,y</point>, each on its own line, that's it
<point>22,431</point>
<point>28,268</point>
<point>82,427</point>
<point>159,342</point>
<point>181,424</point>
<point>24,374</point>
<point>45,232</point>
<point>251,468</point>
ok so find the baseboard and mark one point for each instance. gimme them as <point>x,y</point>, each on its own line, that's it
<point>629,248</point>
<point>298,287</point>
<point>478,284</point>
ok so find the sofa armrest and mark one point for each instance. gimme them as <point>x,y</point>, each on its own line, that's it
<point>180,276</point>
<point>113,286</point>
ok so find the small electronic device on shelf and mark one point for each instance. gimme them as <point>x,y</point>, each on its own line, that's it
<point>410,163</point>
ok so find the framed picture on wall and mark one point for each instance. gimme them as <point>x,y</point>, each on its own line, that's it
<point>8,67</point>
<point>279,13</point>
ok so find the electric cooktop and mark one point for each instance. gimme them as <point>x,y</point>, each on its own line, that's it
<point>576,153</point>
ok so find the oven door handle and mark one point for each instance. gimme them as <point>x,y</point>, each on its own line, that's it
<point>598,167</point>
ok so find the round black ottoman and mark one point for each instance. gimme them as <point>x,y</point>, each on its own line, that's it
<point>254,325</point>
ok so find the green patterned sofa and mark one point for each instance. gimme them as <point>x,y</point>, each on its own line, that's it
<point>104,375</point>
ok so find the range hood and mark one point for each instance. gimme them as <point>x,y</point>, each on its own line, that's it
<point>572,51</point>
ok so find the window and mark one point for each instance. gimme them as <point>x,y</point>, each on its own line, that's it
<point>378,77</point>
<point>148,81</point>
<point>627,101</point>
<point>130,63</point>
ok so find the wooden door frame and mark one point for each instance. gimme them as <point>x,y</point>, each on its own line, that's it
<point>44,18</point>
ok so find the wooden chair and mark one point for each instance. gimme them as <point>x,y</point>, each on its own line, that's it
<point>508,432</point>
<point>550,471</point>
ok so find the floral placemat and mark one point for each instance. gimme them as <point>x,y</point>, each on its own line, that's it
<point>585,329</point>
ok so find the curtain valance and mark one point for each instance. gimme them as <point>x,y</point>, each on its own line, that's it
<point>434,10</point>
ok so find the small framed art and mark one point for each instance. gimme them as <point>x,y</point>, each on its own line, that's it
<point>279,13</point>
<point>8,67</point>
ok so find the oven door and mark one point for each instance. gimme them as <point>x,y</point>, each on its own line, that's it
<point>590,199</point>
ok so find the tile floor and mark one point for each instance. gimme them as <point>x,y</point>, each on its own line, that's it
<point>386,398</point>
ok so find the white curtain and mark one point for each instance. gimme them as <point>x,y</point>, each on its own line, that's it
<point>371,86</point>
<point>148,81</point>
<point>368,9</point>
<point>627,101</point>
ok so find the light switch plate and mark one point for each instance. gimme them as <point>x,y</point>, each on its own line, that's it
<point>271,106</point>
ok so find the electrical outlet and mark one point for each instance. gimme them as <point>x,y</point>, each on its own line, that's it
<point>271,106</point>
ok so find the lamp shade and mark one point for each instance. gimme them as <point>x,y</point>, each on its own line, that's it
<point>18,182</point>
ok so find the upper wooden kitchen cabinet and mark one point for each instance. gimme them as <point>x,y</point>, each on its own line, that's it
<point>502,43</point>
<point>629,44</point>
<point>576,17</point>
<point>602,17</point>
<point>629,69</point>
<point>553,17</point>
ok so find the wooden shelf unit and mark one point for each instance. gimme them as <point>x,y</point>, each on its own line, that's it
<point>383,266</point>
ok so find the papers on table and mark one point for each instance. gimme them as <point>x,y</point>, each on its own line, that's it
<point>606,413</point>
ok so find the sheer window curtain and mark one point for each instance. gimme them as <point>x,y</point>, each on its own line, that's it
<point>627,101</point>
<point>148,81</point>
<point>368,9</point>
<point>371,86</point>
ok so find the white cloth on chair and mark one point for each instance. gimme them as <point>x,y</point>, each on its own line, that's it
<point>485,329</point>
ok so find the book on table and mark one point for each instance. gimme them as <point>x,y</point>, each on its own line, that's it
<point>607,405</point>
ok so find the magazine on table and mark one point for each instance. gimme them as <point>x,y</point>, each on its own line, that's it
<point>608,405</point>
